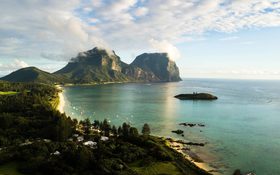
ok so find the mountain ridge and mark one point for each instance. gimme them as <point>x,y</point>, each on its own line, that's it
<point>99,66</point>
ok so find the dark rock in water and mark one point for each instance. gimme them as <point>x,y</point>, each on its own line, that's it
<point>192,124</point>
<point>201,125</point>
<point>178,131</point>
<point>194,144</point>
<point>196,96</point>
<point>189,143</point>
<point>237,172</point>
<point>187,124</point>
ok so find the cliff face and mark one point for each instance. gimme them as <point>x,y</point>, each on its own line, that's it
<point>97,65</point>
<point>137,74</point>
<point>158,65</point>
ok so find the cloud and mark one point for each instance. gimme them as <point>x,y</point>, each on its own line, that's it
<point>43,27</point>
<point>9,44</point>
<point>164,46</point>
<point>39,29</point>
<point>133,25</point>
<point>141,11</point>
<point>16,64</point>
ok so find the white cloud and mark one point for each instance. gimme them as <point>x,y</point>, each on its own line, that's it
<point>164,46</point>
<point>141,11</point>
<point>64,28</point>
<point>16,64</point>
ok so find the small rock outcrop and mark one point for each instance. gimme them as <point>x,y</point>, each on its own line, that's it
<point>192,124</point>
<point>196,96</point>
<point>178,131</point>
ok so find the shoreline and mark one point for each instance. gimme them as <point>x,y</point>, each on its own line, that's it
<point>61,102</point>
<point>191,156</point>
<point>177,147</point>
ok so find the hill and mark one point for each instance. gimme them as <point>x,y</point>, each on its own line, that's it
<point>33,74</point>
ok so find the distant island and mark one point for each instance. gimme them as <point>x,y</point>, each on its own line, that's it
<point>196,96</point>
<point>98,66</point>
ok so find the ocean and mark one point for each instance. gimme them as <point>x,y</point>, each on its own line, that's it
<point>242,127</point>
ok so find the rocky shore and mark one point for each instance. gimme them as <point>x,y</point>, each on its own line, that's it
<point>185,148</point>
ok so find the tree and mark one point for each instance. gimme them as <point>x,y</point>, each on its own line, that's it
<point>87,126</point>
<point>146,130</point>
<point>75,122</point>
<point>96,123</point>
<point>120,131</point>
<point>133,132</point>
<point>106,127</point>
<point>125,129</point>
<point>114,130</point>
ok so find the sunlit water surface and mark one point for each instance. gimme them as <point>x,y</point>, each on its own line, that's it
<point>242,126</point>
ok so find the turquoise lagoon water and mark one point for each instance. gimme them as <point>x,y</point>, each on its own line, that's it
<point>242,126</point>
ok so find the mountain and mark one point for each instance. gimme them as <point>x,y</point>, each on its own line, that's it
<point>159,65</point>
<point>33,74</point>
<point>98,66</point>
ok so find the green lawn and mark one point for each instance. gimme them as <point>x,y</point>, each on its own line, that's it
<point>9,169</point>
<point>8,93</point>
<point>158,168</point>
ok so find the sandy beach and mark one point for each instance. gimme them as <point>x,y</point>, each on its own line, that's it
<point>192,157</point>
<point>61,104</point>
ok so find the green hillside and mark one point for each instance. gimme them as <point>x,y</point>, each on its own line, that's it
<point>33,74</point>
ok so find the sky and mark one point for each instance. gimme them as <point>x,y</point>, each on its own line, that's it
<point>206,38</point>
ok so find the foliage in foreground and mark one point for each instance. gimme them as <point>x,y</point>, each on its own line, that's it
<point>40,140</point>
<point>37,139</point>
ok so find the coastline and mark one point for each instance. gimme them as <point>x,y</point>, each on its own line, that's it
<point>61,101</point>
<point>191,157</point>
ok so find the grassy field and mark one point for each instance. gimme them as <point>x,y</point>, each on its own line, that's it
<point>9,169</point>
<point>158,168</point>
<point>8,93</point>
